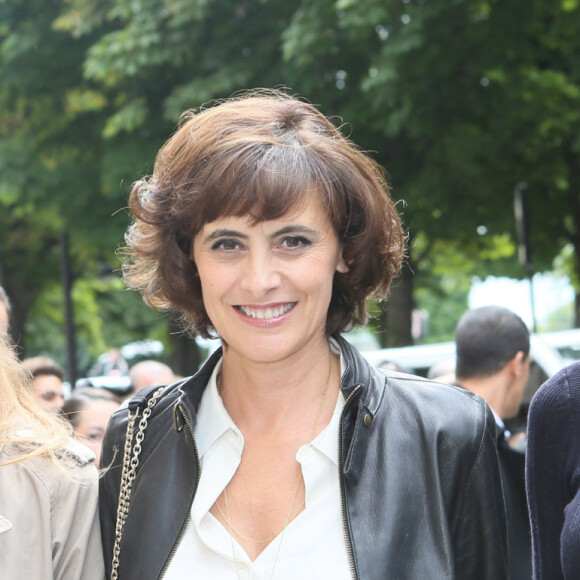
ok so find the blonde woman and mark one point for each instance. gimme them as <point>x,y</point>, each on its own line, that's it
<point>48,489</point>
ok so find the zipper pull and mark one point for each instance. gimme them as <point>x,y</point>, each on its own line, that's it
<point>178,418</point>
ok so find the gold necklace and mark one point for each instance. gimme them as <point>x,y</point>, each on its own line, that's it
<point>289,517</point>
<point>240,534</point>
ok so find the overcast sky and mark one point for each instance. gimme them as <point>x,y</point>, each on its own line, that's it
<point>549,294</point>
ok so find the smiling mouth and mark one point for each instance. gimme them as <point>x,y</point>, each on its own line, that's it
<point>266,313</point>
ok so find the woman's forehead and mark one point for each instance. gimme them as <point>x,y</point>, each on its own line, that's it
<point>309,207</point>
<point>270,205</point>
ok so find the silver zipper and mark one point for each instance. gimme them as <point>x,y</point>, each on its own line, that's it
<point>188,517</point>
<point>342,496</point>
<point>343,500</point>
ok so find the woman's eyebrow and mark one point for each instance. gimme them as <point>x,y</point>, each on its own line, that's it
<point>289,229</point>
<point>224,233</point>
<point>294,229</point>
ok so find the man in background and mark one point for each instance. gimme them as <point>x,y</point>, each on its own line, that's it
<point>493,361</point>
<point>150,372</point>
<point>47,378</point>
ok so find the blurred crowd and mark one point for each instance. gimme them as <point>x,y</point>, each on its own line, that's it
<point>89,404</point>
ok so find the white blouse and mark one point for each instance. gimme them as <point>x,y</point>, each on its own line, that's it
<point>313,545</point>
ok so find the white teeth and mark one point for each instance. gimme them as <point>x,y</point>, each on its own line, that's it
<point>267,313</point>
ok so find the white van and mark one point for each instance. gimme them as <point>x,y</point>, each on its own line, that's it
<point>545,350</point>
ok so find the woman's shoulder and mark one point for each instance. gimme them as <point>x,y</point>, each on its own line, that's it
<point>437,409</point>
<point>63,488</point>
<point>75,455</point>
<point>73,463</point>
<point>420,389</point>
<point>563,384</point>
<point>161,401</point>
<point>430,404</point>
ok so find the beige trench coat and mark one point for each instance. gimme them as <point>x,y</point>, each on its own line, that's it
<point>49,528</point>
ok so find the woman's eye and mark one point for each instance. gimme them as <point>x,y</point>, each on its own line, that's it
<point>295,242</point>
<point>226,245</point>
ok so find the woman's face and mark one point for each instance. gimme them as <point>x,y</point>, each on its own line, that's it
<point>94,418</point>
<point>267,286</point>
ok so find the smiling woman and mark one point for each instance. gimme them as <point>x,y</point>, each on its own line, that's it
<point>287,456</point>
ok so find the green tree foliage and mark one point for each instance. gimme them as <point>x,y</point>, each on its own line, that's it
<point>480,96</point>
<point>57,175</point>
<point>49,160</point>
<point>460,100</point>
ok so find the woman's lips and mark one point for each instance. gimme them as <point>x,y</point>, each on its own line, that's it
<point>266,314</point>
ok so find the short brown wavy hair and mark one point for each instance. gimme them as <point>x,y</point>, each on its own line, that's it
<point>260,154</point>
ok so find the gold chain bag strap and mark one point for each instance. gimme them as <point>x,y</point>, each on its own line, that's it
<point>130,462</point>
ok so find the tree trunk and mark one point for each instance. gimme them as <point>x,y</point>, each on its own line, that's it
<point>22,296</point>
<point>396,312</point>
<point>185,355</point>
<point>69,319</point>
<point>577,290</point>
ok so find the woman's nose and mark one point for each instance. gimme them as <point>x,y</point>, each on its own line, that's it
<point>261,274</point>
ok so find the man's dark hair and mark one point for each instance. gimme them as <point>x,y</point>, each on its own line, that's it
<point>487,339</point>
<point>43,366</point>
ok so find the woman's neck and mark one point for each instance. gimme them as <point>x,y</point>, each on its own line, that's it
<point>267,397</point>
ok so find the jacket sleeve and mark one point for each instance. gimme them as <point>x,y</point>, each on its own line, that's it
<point>553,457</point>
<point>480,528</point>
<point>77,551</point>
<point>48,512</point>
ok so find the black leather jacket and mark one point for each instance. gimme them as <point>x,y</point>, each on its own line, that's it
<point>420,482</point>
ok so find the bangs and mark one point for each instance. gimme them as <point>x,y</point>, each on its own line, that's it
<point>261,182</point>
